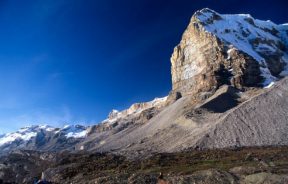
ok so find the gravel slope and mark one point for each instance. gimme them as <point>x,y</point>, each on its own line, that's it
<point>260,120</point>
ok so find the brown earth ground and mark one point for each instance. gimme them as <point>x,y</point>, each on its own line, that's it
<point>239,165</point>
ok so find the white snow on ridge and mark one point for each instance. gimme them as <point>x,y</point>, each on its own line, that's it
<point>157,101</point>
<point>27,133</point>
<point>77,134</point>
<point>74,131</point>
<point>47,128</point>
<point>228,29</point>
<point>240,30</point>
<point>11,137</point>
<point>24,134</point>
<point>134,109</point>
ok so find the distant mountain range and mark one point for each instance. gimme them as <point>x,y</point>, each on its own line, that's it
<point>48,138</point>
<point>224,121</point>
<point>42,137</point>
<point>225,93</point>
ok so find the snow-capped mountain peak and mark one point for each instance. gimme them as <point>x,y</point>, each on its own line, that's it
<point>36,128</point>
<point>11,137</point>
<point>262,40</point>
<point>24,134</point>
<point>40,133</point>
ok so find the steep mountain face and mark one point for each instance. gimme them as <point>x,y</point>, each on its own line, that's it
<point>237,50</point>
<point>229,91</point>
<point>229,118</point>
<point>223,75</point>
<point>220,72</point>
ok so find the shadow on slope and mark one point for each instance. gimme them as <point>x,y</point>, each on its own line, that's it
<point>223,100</point>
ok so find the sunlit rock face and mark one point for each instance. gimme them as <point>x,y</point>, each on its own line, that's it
<point>237,50</point>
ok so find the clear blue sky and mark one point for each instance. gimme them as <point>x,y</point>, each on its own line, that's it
<point>73,61</point>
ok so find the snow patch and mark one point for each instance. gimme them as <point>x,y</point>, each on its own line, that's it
<point>241,31</point>
<point>74,131</point>
<point>134,109</point>
<point>270,85</point>
<point>11,137</point>
<point>77,134</point>
<point>229,52</point>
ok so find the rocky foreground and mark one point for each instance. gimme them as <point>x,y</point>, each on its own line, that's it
<point>245,166</point>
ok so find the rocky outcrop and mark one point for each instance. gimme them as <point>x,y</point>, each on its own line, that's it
<point>218,70</point>
<point>217,103</point>
<point>138,112</point>
<point>244,166</point>
<point>228,49</point>
<point>136,109</point>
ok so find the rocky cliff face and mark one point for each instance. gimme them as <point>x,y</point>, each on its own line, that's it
<point>219,70</point>
<point>237,50</point>
<point>222,61</point>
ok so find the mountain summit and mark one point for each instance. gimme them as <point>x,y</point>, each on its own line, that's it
<point>229,90</point>
<point>223,75</point>
<point>237,50</point>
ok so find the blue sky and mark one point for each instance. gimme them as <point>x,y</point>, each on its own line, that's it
<point>73,61</point>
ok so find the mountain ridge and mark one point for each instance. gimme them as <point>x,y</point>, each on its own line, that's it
<point>220,58</point>
<point>224,121</point>
<point>217,49</point>
<point>25,135</point>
